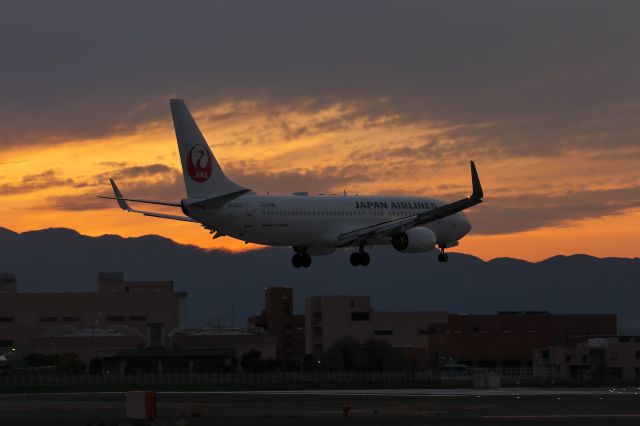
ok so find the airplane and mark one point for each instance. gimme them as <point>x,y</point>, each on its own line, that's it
<point>312,225</point>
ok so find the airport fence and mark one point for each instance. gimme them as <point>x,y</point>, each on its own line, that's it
<point>278,380</point>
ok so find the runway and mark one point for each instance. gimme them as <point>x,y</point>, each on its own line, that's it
<point>604,406</point>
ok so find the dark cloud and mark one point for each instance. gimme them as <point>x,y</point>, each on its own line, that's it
<point>321,180</point>
<point>503,215</point>
<point>548,74</point>
<point>130,173</point>
<point>170,188</point>
<point>143,171</point>
<point>86,201</point>
<point>35,182</point>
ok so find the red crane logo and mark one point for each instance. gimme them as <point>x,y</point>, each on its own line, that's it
<point>199,163</point>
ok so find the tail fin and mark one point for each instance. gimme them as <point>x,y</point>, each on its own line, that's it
<point>203,176</point>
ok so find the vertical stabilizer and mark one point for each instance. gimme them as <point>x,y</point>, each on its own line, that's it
<point>203,176</point>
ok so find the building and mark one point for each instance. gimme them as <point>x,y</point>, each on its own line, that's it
<point>118,314</point>
<point>86,343</point>
<point>278,319</point>
<point>197,350</point>
<point>238,341</point>
<point>507,339</point>
<point>606,359</point>
<point>435,339</point>
<point>331,318</point>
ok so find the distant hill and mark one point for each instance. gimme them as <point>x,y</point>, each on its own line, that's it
<point>220,283</point>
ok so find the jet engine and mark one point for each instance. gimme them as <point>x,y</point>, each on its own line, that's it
<point>414,240</point>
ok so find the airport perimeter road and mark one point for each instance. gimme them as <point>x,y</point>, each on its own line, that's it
<point>379,407</point>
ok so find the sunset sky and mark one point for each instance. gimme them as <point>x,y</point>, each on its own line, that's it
<point>366,97</point>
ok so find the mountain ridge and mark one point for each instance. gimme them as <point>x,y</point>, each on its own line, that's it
<point>61,259</point>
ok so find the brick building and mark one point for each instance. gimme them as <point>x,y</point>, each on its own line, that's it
<point>607,359</point>
<point>433,339</point>
<point>121,312</point>
<point>278,319</point>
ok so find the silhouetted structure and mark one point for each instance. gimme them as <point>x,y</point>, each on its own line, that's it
<point>607,359</point>
<point>278,319</point>
<point>437,339</point>
<point>121,314</point>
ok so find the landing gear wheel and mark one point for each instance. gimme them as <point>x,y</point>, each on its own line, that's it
<point>296,260</point>
<point>364,258</point>
<point>355,259</point>
<point>306,260</point>
<point>443,257</point>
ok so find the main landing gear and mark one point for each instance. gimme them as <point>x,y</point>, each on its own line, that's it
<point>360,258</point>
<point>443,257</point>
<point>301,258</point>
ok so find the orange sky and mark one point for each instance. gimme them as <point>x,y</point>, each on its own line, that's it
<point>331,149</point>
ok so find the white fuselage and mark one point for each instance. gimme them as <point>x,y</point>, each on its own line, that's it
<point>316,222</point>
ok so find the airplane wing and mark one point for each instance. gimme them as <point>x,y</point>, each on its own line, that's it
<point>122,202</point>
<point>396,226</point>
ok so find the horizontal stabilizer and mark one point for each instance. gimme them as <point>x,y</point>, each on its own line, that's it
<point>122,202</point>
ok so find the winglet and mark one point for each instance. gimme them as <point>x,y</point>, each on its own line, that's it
<point>475,182</point>
<point>119,198</point>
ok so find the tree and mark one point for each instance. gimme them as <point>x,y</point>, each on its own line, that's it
<point>252,362</point>
<point>95,366</point>
<point>369,355</point>
<point>69,363</point>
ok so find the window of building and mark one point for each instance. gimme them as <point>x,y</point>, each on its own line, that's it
<point>476,329</point>
<point>585,358</point>
<point>383,332</point>
<point>137,318</point>
<point>567,358</point>
<point>6,343</point>
<point>286,310</point>
<point>545,354</point>
<point>637,354</point>
<point>115,318</point>
<point>71,319</point>
<point>6,319</point>
<point>359,316</point>
<point>430,330</point>
<point>613,356</point>
<point>48,319</point>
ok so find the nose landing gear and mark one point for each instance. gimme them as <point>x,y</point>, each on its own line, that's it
<point>443,257</point>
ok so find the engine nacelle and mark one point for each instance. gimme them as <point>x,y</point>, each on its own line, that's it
<point>414,240</point>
